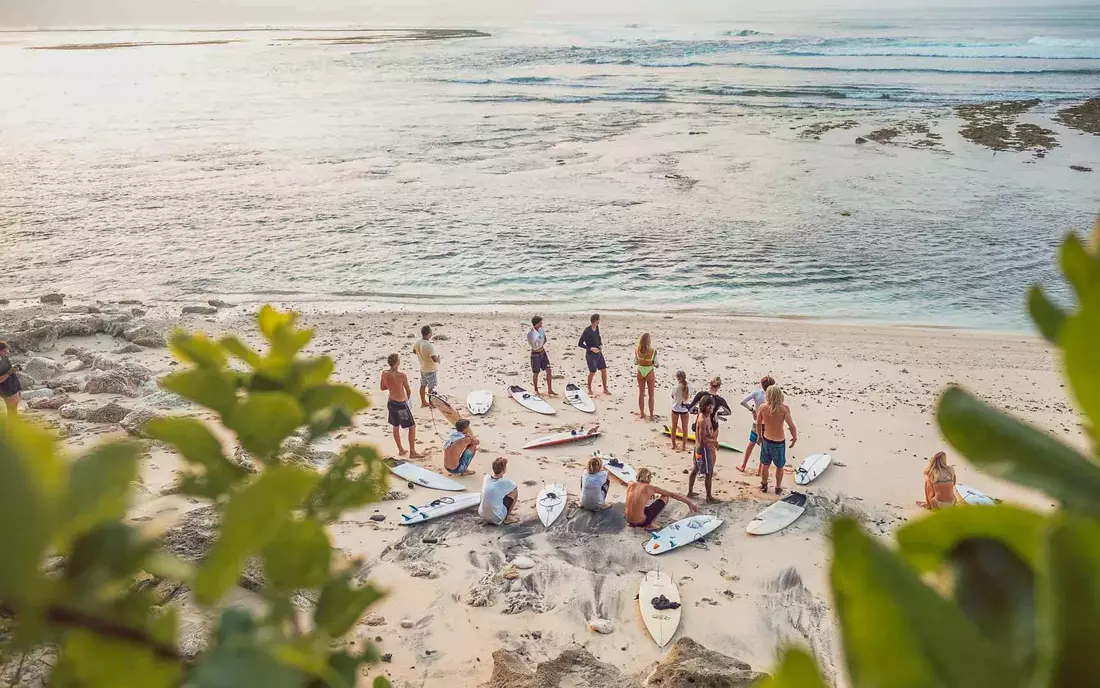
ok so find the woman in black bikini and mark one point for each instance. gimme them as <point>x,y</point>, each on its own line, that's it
<point>10,388</point>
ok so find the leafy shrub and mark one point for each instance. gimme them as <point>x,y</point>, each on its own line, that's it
<point>1022,589</point>
<point>69,560</point>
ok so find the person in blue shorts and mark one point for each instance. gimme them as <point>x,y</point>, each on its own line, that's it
<point>592,344</point>
<point>751,402</point>
<point>772,419</point>
<point>459,449</point>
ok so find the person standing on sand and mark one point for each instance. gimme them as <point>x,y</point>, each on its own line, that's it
<point>939,482</point>
<point>644,502</point>
<point>721,407</point>
<point>592,344</point>
<point>396,383</point>
<point>536,337</point>
<point>459,449</point>
<point>595,482</point>
<point>756,398</point>
<point>645,357</point>
<point>706,448</point>
<point>429,364</point>
<point>681,396</point>
<point>770,419</point>
<point>498,496</point>
<point>11,390</point>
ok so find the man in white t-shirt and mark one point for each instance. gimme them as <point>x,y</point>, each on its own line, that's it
<point>429,364</point>
<point>752,401</point>
<point>498,496</point>
<point>536,338</point>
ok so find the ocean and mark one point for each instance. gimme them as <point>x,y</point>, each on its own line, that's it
<point>578,165</point>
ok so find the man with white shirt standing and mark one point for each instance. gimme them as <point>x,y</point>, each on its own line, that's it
<point>540,362</point>
<point>752,401</point>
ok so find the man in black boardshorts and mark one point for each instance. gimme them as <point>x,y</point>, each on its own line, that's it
<point>592,344</point>
<point>540,362</point>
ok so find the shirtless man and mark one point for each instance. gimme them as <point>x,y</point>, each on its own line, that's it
<point>459,449</point>
<point>770,421</point>
<point>400,414</point>
<point>644,502</point>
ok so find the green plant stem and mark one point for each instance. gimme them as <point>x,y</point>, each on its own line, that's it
<point>71,618</point>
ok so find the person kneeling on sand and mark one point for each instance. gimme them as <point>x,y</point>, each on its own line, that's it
<point>595,482</point>
<point>498,496</point>
<point>644,502</point>
<point>770,419</point>
<point>459,449</point>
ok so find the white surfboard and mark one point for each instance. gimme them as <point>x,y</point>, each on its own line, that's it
<point>661,623</point>
<point>551,504</point>
<point>619,469</point>
<point>563,438</point>
<point>779,515</point>
<point>530,401</point>
<point>579,399</point>
<point>972,496</point>
<point>410,472</point>
<point>479,401</point>
<point>811,467</point>
<point>440,507</point>
<point>683,532</point>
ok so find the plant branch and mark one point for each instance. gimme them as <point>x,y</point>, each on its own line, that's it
<point>72,618</point>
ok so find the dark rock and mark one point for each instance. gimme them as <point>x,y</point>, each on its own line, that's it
<point>690,665</point>
<point>1084,117</point>
<point>388,657</point>
<point>575,667</point>
<point>107,413</point>
<point>192,535</point>
<point>127,349</point>
<point>1080,168</point>
<point>136,420</point>
<point>217,303</point>
<point>137,312</point>
<point>110,382</point>
<point>51,403</point>
<point>52,299</point>
<point>42,368</point>
<point>860,139</point>
<point>378,517</point>
<point>81,309</point>
<point>199,310</point>
<point>4,302</point>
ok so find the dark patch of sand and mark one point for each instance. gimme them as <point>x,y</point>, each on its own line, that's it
<point>994,126</point>
<point>814,131</point>
<point>1084,117</point>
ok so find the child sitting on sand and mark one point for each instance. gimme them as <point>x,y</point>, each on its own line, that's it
<point>595,483</point>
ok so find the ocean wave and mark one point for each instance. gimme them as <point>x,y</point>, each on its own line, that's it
<point>1065,50</point>
<point>744,33</point>
<point>876,70</point>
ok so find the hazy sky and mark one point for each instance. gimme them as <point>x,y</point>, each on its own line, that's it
<point>417,12</point>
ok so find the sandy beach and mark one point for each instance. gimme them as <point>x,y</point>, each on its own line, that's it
<point>864,394</point>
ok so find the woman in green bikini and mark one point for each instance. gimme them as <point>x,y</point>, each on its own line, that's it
<point>645,357</point>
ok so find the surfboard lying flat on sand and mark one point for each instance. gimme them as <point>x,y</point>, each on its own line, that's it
<point>579,399</point>
<point>416,475</point>
<point>445,408</point>
<point>479,401</point>
<point>683,532</point>
<point>779,515</point>
<point>811,467</point>
<point>661,623</point>
<point>440,507</point>
<point>972,496</point>
<point>563,438</point>
<point>691,438</point>
<point>532,402</point>
<point>551,504</point>
<point>624,471</point>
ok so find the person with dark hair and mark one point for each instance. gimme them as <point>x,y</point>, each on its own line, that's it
<point>721,406</point>
<point>429,363</point>
<point>498,496</point>
<point>706,446</point>
<point>396,383</point>
<point>11,390</point>
<point>752,401</point>
<point>592,344</point>
<point>540,362</point>
<point>459,449</point>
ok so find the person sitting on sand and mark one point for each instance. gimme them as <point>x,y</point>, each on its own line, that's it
<point>592,344</point>
<point>396,383</point>
<point>681,397</point>
<point>751,402</point>
<point>939,482</point>
<point>11,390</point>
<point>429,364</point>
<point>459,449</point>
<point>645,357</point>
<point>721,407</point>
<point>595,482</point>
<point>644,502</point>
<point>498,496</point>
<point>536,337</point>
<point>706,448</point>
<point>770,419</point>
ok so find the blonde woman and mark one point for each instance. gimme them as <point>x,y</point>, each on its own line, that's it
<point>681,398</point>
<point>645,357</point>
<point>595,483</point>
<point>939,482</point>
<point>771,420</point>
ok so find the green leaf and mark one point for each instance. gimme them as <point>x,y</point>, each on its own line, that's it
<point>381,682</point>
<point>299,556</point>
<point>927,543</point>
<point>355,479</point>
<point>263,420</point>
<point>1081,346</point>
<point>271,321</point>
<point>796,670</point>
<point>91,660</point>
<point>1071,602</point>
<point>105,556</point>
<point>313,371</point>
<point>1010,449</point>
<point>899,633</point>
<point>342,604</point>
<point>214,390</point>
<point>253,517</point>
<point>198,349</point>
<point>237,658</point>
<point>99,488</point>
<point>198,446</point>
<point>1048,317</point>
<point>241,350</point>
<point>321,397</point>
<point>1077,265</point>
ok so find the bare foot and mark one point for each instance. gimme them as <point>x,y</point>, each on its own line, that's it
<point>510,520</point>
<point>425,405</point>
<point>652,529</point>
<point>551,394</point>
<point>692,494</point>
<point>713,500</point>
<point>741,468</point>
<point>402,452</point>
<point>605,506</point>
<point>467,473</point>
<point>606,393</point>
<point>416,455</point>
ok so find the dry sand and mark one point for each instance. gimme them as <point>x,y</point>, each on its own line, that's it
<point>865,394</point>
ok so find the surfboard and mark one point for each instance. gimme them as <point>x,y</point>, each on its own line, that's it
<point>445,408</point>
<point>691,438</point>
<point>579,399</point>
<point>532,402</point>
<point>624,472</point>
<point>661,624</point>
<point>811,467</point>
<point>563,438</point>
<point>410,472</point>
<point>440,507</point>
<point>479,401</point>
<point>551,503</point>
<point>682,532</point>
<point>972,496</point>
<point>779,515</point>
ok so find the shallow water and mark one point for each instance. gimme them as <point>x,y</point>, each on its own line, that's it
<point>555,164</point>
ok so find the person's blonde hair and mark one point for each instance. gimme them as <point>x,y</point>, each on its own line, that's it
<point>682,379</point>
<point>595,465</point>
<point>938,470</point>
<point>645,475</point>
<point>644,351</point>
<point>774,397</point>
<point>500,464</point>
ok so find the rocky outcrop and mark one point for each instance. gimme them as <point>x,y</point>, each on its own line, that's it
<point>110,382</point>
<point>691,665</point>
<point>52,299</point>
<point>135,421</point>
<point>51,403</point>
<point>42,334</point>
<point>199,310</point>
<point>93,412</point>
<point>1084,117</point>
<point>218,303</point>
<point>42,368</point>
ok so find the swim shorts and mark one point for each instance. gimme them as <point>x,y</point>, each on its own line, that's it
<point>773,453</point>
<point>595,361</point>
<point>539,362</point>
<point>429,379</point>
<point>753,438</point>
<point>652,510</point>
<point>400,415</point>
<point>704,460</point>
<point>463,463</point>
